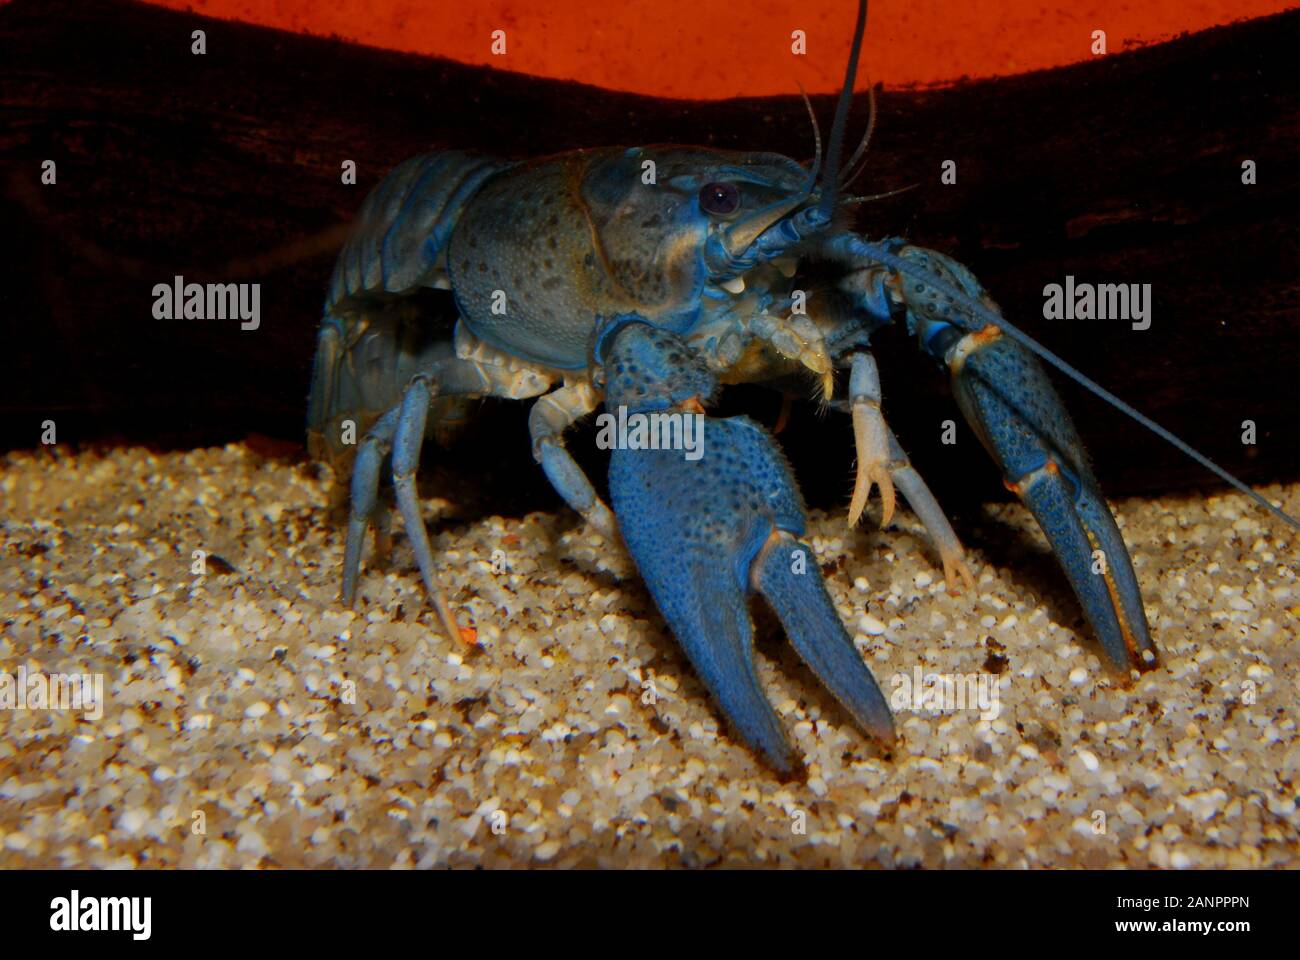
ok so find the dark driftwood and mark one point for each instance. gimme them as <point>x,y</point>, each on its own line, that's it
<point>1125,169</point>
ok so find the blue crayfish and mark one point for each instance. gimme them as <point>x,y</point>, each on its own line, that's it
<point>642,279</point>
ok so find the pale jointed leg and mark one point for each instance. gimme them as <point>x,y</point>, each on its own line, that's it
<point>871,437</point>
<point>883,463</point>
<point>925,506</point>
<point>550,417</point>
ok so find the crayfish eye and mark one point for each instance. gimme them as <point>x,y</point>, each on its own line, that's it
<point>720,198</point>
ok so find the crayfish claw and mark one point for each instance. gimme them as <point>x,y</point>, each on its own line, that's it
<point>1007,398</point>
<point>707,531</point>
<point>786,575</point>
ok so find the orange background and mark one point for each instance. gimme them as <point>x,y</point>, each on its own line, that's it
<point>722,48</point>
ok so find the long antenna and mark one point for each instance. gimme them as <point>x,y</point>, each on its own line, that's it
<point>850,173</point>
<point>836,145</point>
<point>817,139</point>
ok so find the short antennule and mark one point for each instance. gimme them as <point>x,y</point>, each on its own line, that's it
<point>835,147</point>
<point>817,142</point>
